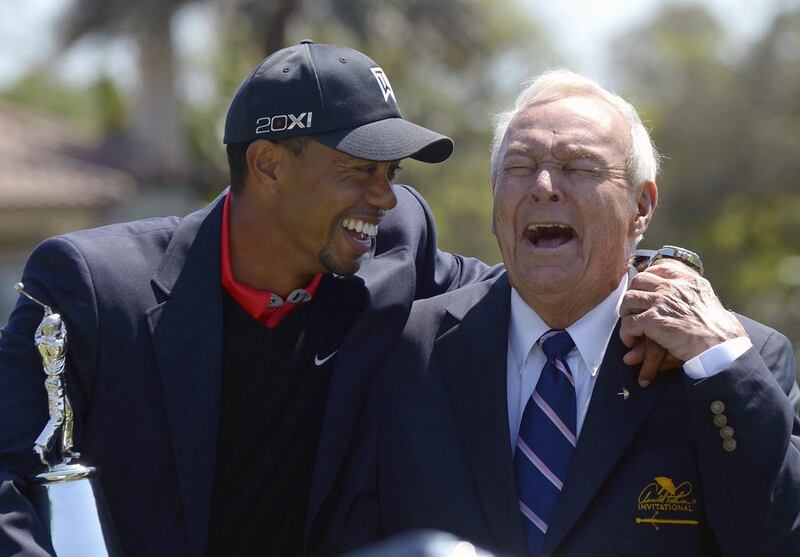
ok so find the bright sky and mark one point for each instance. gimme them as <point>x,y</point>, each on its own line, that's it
<point>579,30</point>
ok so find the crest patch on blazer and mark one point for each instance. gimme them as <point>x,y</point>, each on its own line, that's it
<point>669,501</point>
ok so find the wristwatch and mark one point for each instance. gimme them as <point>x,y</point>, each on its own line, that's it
<point>683,255</point>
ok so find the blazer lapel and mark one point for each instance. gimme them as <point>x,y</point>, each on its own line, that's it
<point>387,303</point>
<point>473,359</point>
<point>187,336</point>
<point>610,426</point>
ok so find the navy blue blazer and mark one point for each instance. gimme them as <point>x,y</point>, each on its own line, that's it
<point>649,475</point>
<point>143,307</point>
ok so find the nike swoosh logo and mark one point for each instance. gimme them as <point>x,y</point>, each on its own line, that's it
<point>319,361</point>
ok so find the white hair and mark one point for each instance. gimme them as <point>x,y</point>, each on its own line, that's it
<point>643,159</point>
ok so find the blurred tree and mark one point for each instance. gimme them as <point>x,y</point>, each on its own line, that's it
<point>768,274</point>
<point>263,22</point>
<point>154,127</point>
<point>110,105</point>
<point>37,91</point>
<point>730,133</point>
<point>673,70</point>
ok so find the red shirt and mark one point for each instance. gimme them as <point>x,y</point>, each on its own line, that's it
<point>254,301</point>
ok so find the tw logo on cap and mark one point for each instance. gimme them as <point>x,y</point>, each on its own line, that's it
<point>283,122</point>
<point>383,81</point>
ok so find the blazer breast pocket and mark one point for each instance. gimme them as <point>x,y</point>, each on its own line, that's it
<point>653,505</point>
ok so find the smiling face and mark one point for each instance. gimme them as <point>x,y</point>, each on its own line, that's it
<point>565,215</point>
<point>330,206</point>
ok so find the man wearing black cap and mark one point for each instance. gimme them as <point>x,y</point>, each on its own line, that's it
<point>216,362</point>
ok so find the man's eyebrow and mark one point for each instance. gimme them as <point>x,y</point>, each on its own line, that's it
<point>351,161</point>
<point>578,150</point>
<point>517,149</point>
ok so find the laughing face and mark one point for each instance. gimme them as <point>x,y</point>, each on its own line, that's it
<point>333,205</point>
<point>565,214</point>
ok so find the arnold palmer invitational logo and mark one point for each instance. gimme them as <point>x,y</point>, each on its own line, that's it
<point>665,496</point>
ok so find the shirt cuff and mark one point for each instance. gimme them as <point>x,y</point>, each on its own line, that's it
<point>716,358</point>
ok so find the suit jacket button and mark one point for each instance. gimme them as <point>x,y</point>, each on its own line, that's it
<point>726,432</point>
<point>720,420</point>
<point>729,445</point>
<point>717,407</point>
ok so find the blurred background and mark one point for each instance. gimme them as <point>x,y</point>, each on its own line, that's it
<point>112,110</point>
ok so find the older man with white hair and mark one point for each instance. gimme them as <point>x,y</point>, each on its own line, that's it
<point>508,413</point>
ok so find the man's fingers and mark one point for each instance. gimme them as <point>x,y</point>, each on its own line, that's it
<point>636,354</point>
<point>646,281</point>
<point>670,362</point>
<point>653,357</point>
<point>632,327</point>
<point>670,269</point>
<point>637,301</point>
<point>664,270</point>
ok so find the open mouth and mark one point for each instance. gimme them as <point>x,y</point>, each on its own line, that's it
<point>549,235</point>
<point>360,230</point>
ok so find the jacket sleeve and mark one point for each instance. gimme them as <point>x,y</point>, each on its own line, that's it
<point>57,275</point>
<point>752,491</point>
<point>439,271</point>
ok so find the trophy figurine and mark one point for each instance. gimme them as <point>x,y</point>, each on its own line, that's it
<point>66,495</point>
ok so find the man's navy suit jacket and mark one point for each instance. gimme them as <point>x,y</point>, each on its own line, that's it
<point>649,475</point>
<point>142,303</point>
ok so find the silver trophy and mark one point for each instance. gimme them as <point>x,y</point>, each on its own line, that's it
<point>67,495</point>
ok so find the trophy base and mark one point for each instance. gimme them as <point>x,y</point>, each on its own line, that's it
<point>70,504</point>
<point>65,473</point>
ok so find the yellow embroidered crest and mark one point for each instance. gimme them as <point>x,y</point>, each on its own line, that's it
<point>663,495</point>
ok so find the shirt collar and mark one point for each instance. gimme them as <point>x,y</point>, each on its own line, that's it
<point>590,333</point>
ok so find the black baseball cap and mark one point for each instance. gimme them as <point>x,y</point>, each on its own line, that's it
<point>332,94</point>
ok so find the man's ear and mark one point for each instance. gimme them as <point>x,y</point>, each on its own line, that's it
<point>646,205</point>
<point>263,160</point>
<point>494,184</point>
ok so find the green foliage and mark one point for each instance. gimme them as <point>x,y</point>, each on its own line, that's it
<point>110,106</point>
<point>36,91</point>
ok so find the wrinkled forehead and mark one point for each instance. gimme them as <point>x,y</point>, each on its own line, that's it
<point>573,123</point>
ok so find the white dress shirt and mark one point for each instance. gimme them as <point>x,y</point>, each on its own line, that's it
<point>591,334</point>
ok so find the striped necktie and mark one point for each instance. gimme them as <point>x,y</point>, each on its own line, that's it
<point>547,437</point>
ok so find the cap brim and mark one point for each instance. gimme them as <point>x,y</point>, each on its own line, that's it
<point>389,140</point>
